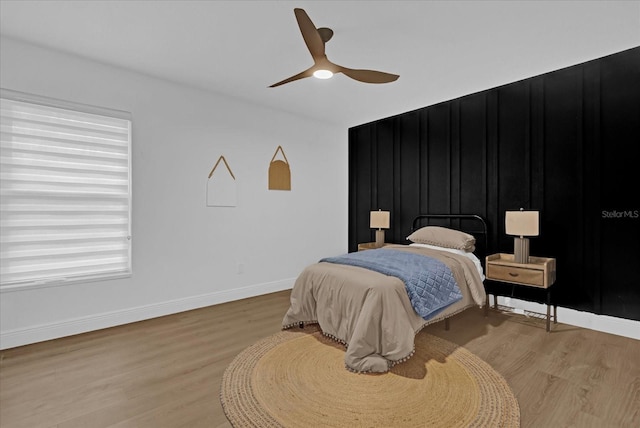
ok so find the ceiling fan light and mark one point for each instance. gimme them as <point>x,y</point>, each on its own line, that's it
<point>322,74</point>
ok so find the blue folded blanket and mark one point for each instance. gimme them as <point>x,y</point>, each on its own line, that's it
<point>430,283</point>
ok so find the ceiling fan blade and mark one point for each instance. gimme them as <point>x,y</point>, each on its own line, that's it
<point>310,34</point>
<point>369,76</point>
<point>307,73</point>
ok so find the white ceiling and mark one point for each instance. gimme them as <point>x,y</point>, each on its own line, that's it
<point>441,50</point>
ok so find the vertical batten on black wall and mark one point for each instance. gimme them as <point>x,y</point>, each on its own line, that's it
<point>562,143</point>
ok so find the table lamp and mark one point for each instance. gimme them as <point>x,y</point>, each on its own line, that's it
<point>521,224</point>
<point>379,220</point>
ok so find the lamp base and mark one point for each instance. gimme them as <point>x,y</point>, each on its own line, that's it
<point>521,250</point>
<point>379,238</point>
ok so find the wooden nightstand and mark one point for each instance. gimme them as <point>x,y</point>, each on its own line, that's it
<point>369,246</point>
<point>540,272</point>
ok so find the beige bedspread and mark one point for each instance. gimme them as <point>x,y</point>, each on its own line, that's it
<point>370,312</point>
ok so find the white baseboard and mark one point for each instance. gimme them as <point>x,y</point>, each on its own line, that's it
<point>604,323</point>
<point>41,333</point>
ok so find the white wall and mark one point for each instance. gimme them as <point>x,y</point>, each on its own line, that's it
<point>186,255</point>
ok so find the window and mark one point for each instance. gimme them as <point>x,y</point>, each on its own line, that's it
<point>65,192</point>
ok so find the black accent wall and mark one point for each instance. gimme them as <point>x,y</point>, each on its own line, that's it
<point>564,143</point>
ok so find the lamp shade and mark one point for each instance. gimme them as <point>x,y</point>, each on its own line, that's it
<point>380,219</point>
<point>522,223</point>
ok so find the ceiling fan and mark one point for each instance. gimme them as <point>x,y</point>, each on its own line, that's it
<point>322,68</point>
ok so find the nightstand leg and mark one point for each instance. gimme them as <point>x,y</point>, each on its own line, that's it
<point>495,301</point>
<point>548,316</point>
<point>555,314</point>
<point>548,310</point>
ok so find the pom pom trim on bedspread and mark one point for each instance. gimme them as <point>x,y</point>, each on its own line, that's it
<point>390,363</point>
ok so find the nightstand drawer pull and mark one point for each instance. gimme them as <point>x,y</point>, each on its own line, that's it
<point>513,274</point>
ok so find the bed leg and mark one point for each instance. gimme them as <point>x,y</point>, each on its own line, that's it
<point>486,306</point>
<point>301,324</point>
<point>446,324</point>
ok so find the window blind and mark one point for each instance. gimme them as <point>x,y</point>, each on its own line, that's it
<point>65,193</point>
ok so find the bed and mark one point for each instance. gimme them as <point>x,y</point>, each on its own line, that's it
<point>369,302</point>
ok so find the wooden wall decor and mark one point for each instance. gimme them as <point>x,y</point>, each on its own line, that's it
<point>562,143</point>
<point>279,172</point>
<point>221,186</point>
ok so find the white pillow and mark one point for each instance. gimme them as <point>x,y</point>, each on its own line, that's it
<point>469,255</point>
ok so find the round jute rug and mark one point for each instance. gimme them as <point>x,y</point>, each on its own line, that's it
<point>297,379</point>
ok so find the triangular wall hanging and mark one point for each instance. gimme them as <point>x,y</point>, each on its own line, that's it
<point>279,172</point>
<point>221,187</point>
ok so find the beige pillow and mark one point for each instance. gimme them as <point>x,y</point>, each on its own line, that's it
<point>444,237</point>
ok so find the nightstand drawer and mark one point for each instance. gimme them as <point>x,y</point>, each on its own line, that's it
<point>539,272</point>
<point>369,246</point>
<point>516,274</point>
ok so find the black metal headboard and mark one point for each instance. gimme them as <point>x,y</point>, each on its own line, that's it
<point>478,228</point>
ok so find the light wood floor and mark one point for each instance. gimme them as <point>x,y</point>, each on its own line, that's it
<point>166,372</point>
